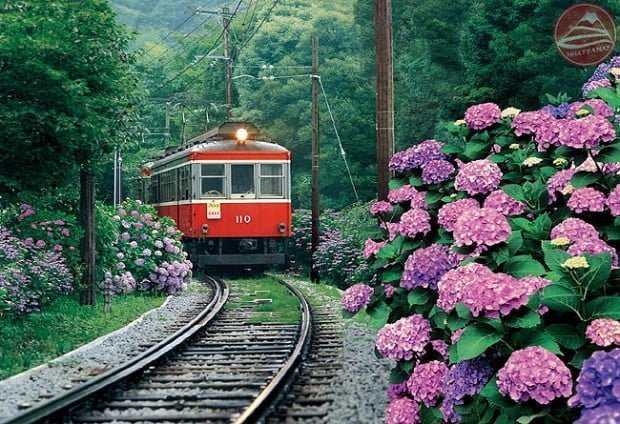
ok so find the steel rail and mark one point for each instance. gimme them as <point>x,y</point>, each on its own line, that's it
<point>104,381</point>
<point>258,410</point>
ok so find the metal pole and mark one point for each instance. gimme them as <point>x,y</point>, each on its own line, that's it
<point>385,94</point>
<point>115,194</point>
<point>314,274</point>
<point>167,130</point>
<point>228,62</point>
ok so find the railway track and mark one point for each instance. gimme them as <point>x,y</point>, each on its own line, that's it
<point>223,366</point>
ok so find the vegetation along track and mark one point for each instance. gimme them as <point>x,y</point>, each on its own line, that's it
<point>227,365</point>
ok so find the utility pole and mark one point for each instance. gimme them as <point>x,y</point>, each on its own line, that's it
<point>314,274</point>
<point>227,62</point>
<point>167,130</point>
<point>385,94</point>
<point>118,183</point>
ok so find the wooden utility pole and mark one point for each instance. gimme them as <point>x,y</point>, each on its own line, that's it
<point>227,62</point>
<point>314,274</point>
<point>385,94</point>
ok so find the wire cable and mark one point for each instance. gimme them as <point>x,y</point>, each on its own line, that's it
<point>170,33</point>
<point>274,4</point>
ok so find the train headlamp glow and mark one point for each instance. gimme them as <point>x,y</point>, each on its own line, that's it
<point>241,134</point>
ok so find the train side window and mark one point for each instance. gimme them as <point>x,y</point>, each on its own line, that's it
<point>271,180</point>
<point>242,181</point>
<point>212,180</point>
<point>184,183</point>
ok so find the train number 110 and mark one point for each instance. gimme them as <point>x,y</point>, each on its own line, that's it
<point>243,219</point>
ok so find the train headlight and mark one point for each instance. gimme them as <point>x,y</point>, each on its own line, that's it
<point>282,227</point>
<point>204,228</point>
<point>241,134</point>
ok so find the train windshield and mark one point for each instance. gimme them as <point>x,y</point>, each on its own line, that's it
<point>213,179</point>
<point>242,181</point>
<point>271,180</point>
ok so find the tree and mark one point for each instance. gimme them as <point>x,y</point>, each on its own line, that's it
<point>68,97</point>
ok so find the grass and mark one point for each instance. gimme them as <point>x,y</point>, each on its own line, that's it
<point>283,309</point>
<point>64,325</point>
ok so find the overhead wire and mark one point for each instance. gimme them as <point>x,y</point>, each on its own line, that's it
<point>265,18</point>
<point>164,38</point>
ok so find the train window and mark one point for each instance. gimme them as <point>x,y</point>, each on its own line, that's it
<point>155,189</point>
<point>271,180</point>
<point>213,179</point>
<point>242,181</point>
<point>184,183</point>
<point>167,186</point>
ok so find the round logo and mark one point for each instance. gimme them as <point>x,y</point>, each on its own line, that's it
<point>585,34</point>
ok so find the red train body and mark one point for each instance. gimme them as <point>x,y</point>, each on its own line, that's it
<point>229,194</point>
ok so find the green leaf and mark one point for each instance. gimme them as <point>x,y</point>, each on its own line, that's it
<point>583,179</point>
<point>529,319</point>
<point>524,265</point>
<point>535,337</point>
<point>527,419</point>
<point>418,296</point>
<point>392,274</point>
<point>491,393</point>
<point>560,299</point>
<point>474,149</point>
<point>451,149</point>
<point>599,271</point>
<point>554,260</point>
<point>347,314</point>
<point>475,340</point>
<point>463,311</point>
<point>609,154</point>
<point>514,242</point>
<point>379,314</point>
<point>397,375</point>
<point>415,181</point>
<point>395,183</point>
<point>388,252</point>
<point>433,197</point>
<point>515,191</point>
<point>566,336</point>
<point>603,307</point>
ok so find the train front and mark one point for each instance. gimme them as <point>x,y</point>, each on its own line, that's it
<point>230,195</point>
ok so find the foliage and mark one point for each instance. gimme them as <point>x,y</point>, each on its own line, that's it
<point>32,340</point>
<point>510,307</point>
<point>138,249</point>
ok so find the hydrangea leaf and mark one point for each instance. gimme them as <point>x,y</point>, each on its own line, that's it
<point>515,191</point>
<point>524,265</point>
<point>566,335</point>
<point>433,197</point>
<point>609,154</point>
<point>514,242</point>
<point>554,260</point>
<point>379,314</point>
<point>608,94</point>
<point>491,393</point>
<point>476,149</point>
<point>392,274</point>
<point>561,299</point>
<point>527,419</point>
<point>584,179</point>
<point>475,340</point>
<point>415,181</point>
<point>536,337</point>
<point>603,307</point>
<point>597,274</point>
<point>395,183</point>
<point>451,149</point>
<point>397,375</point>
<point>527,319</point>
<point>418,296</point>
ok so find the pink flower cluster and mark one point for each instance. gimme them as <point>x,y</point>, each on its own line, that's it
<point>403,411</point>
<point>450,212</point>
<point>574,229</point>
<point>599,107</point>
<point>593,246</point>
<point>529,122</point>
<point>587,199</point>
<point>613,201</point>
<point>407,193</point>
<point>437,171</point>
<point>604,332</point>
<point>371,247</point>
<point>478,177</point>
<point>534,373</point>
<point>413,222</point>
<point>426,382</point>
<point>586,133</point>
<point>417,156</point>
<point>558,182</point>
<point>356,297</point>
<point>482,226</point>
<point>504,204</point>
<point>380,208</point>
<point>425,266</point>
<point>482,116</point>
<point>405,338</point>
<point>483,291</point>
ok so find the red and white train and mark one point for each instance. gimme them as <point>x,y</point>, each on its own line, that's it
<point>229,193</point>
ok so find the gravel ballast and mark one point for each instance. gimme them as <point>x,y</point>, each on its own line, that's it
<point>100,355</point>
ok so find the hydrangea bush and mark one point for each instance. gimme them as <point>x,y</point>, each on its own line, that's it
<point>139,250</point>
<point>497,274</point>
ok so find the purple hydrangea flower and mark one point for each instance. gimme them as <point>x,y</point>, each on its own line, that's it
<point>437,171</point>
<point>574,229</point>
<point>529,122</point>
<point>586,133</point>
<point>548,133</point>
<point>416,156</point>
<point>482,291</point>
<point>405,338</point>
<point>425,266</point>
<point>403,411</point>
<point>482,116</point>
<point>598,382</point>
<point>388,290</point>
<point>371,247</point>
<point>504,204</point>
<point>593,246</point>
<point>606,414</point>
<point>478,177</point>
<point>450,212</point>
<point>395,391</point>
<point>381,207</point>
<point>599,107</point>
<point>604,332</point>
<point>481,226</point>
<point>463,379</point>
<point>558,182</point>
<point>441,347</point>
<point>356,297</point>
<point>613,201</point>
<point>593,85</point>
<point>425,383</point>
<point>534,373</point>
<point>558,111</point>
<point>535,283</point>
<point>587,199</point>
<point>413,222</point>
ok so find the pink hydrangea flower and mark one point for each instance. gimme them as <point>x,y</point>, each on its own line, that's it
<point>593,246</point>
<point>426,382</point>
<point>586,133</point>
<point>599,107</point>
<point>558,182</point>
<point>437,171</point>
<point>403,411</point>
<point>504,204</point>
<point>414,222</point>
<point>441,347</point>
<point>478,177</point>
<point>613,201</point>
<point>425,266</point>
<point>535,283</point>
<point>534,373</point>
<point>482,116</point>
<point>371,247</point>
<point>405,338</point>
<point>356,297</point>
<point>574,229</point>
<point>481,226</point>
<point>404,194</point>
<point>381,207</point>
<point>587,199</point>
<point>450,212</point>
<point>529,122</point>
<point>395,391</point>
<point>388,291</point>
<point>604,332</point>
